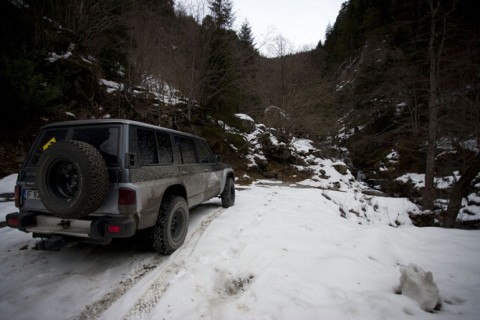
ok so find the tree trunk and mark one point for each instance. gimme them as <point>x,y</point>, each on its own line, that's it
<point>460,190</point>
<point>433,55</point>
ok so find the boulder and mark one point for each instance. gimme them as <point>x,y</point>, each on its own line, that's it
<point>341,167</point>
<point>247,122</point>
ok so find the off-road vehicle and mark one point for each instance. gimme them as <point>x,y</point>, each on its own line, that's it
<point>94,180</point>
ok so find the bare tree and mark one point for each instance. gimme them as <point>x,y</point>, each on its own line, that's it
<point>295,97</point>
<point>434,51</point>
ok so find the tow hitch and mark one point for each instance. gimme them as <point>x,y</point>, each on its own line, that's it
<point>54,243</point>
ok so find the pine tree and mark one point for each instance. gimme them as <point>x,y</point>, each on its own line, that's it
<point>221,12</point>
<point>246,36</point>
<point>221,70</point>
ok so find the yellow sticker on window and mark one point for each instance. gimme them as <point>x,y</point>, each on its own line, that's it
<point>49,143</point>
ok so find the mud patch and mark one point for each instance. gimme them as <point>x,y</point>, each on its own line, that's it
<point>232,287</point>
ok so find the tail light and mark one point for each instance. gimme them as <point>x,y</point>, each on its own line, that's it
<point>13,220</point>
<point>119,228</point>
<point>17,196</point>
<point>126,197</point>
<point>114,228</point>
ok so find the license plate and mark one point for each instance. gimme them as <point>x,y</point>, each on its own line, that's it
<point>31,194</point>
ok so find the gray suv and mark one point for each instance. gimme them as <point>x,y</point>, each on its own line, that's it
<point>95,180</point>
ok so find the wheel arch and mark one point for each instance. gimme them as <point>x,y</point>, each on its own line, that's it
<point>227,173</point>
<point>175,190</point>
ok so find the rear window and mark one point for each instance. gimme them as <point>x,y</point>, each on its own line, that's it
<point>164,147</point>
<point>104,139</point>
<point>147,147</point>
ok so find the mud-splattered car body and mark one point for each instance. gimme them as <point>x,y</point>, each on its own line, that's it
<point>144,171</point>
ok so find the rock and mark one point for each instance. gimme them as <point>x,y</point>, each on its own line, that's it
<point>341,167</point>
<point>270,175</point>
<point>247,122</point>
<point>373,192</point>
<point>262,163</point>
<point>298,161</point>
<point>336,185</point>
<point>278,152</point>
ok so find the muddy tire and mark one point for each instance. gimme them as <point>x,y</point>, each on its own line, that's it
<point>228,194</point>
<point>72,179</point>
<point>171,226</point>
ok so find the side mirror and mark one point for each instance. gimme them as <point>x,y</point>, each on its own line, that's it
<point>218,158</point>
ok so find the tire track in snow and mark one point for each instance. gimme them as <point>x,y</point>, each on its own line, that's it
<point>94,309</point>
<point>147,302</point>
<point>166,267</point>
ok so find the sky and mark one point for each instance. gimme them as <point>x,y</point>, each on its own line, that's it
<point>301,22</point>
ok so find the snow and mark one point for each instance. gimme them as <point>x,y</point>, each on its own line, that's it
<point>418,179</point>
<point>393,156</point>
<point>52,56</point>
<point>243,116</point>
<point>471,144</point>
<point>449,145</point>
<point>162,91</point>
<point>112,86</point>
<point>471,211</point>
<point>325,176</point>
<point>302,145</point>
<point>281,252</point>
<point>277,110</point>
<point>7,184</point>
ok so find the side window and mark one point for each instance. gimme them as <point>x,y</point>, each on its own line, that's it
<point>204,152</point>
<point>147,147</point>
<point>187,149</point>
<point>164,147</point>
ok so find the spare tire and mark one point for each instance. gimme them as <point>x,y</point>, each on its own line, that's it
<point>72,179</point>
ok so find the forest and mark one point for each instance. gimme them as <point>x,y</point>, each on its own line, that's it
<point>391,75</point>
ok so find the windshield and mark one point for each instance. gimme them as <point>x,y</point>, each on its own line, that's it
<point>103,138</point>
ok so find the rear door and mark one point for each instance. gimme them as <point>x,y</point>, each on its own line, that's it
<point>191,170</point>
<point>211,172</point>
<point>155,170</point>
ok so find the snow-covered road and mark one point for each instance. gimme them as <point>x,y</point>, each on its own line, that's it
<point>280,253</point>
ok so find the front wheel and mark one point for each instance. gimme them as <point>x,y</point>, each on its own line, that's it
<point>228,194</point>
<point>171,227</point>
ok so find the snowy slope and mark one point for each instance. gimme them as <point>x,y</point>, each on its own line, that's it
<point>280,253</point>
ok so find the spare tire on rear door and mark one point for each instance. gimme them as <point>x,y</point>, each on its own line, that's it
<point>72,179</point>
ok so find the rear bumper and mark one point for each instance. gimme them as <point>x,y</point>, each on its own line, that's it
<point>97,228</point>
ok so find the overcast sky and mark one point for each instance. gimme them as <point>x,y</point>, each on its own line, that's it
<point>302,22</point>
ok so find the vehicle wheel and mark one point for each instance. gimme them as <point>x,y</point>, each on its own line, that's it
<point>171,227</point>
<point>72,179</point>
<point>228,194</point>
